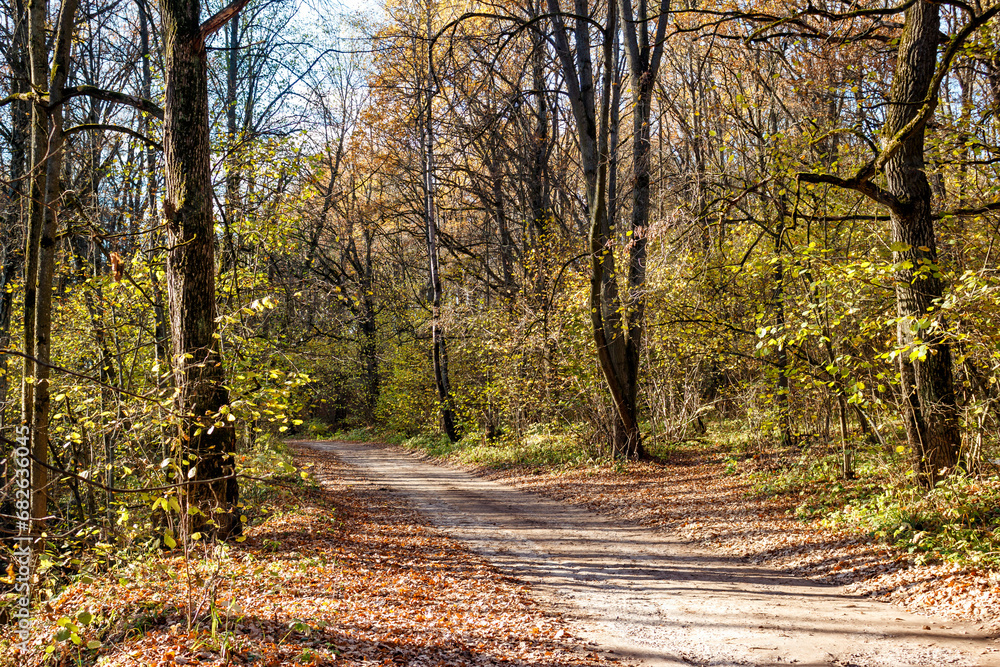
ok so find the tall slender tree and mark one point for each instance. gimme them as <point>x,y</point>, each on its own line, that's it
<point>442,378</point>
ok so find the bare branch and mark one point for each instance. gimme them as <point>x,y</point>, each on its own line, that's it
<point>858,184</point>
<point>221,18</point>
<point>114,128</point>
<point>116,97</point>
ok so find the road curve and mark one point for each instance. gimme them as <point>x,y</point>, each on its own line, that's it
<point>641,595</point>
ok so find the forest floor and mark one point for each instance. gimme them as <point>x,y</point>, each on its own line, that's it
<point>657,595</point>
<point>329,575</point>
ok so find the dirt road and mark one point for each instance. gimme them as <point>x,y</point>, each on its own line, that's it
<point>644,596</point>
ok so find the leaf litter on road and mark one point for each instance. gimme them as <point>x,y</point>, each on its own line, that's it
<point>333,575</point>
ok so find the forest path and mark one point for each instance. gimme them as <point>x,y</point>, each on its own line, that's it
<point>642,595</point>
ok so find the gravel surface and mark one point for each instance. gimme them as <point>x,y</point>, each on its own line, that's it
<point>692,498</point>
<point>652,595</point>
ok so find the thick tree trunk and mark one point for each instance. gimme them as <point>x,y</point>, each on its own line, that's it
<point>930,410</point>
<point>593,130</point>
<point>204,434</point>
<point>644,61</point>
<point>635,299</point>
<point>626,441</point>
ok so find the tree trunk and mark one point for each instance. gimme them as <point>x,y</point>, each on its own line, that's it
<point>930,411</point>
<point>369,331</point>
<point>644,62</point>
<point>14,215</point>
<point>541,212</point>
<point>206,440</point>
<point>440,351</point>
<point>623,438</point>
<point>232,167</point>
<point>38,58</point>
<point>47,240</point>
<point>593,130</point>
<point>46,186</point>
<point>161,333</point>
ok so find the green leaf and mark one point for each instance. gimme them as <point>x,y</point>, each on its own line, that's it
<point>169,540</point>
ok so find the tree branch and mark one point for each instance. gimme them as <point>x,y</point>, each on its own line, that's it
<point>114,128</point>
<point>221,18</point>
<point>23,97</point>
<point>859,183</point>
<point>962,212</point>
<point>118,98</point>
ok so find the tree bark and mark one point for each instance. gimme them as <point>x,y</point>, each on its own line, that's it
<point>232,167</point>
<point>925,365</point>
<point>206,441</point>
<point>38,58</point>
<point>623,439</point>
<point>541,212</point>
<point>644,62</point>
<point>52,196</point>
